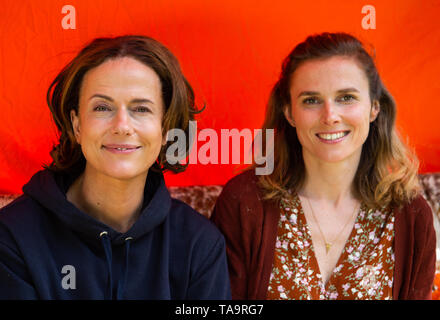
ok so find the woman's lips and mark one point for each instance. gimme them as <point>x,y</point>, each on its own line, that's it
<point>121,148</point>
<point>332,137</point>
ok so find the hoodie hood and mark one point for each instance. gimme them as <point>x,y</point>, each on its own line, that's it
<point>49,189</point>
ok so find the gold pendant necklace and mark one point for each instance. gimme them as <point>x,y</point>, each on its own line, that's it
<point>328,245</point>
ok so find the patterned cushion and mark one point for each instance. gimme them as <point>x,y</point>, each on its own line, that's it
<point>6,198</point>
<point>201,198</point>
<point>431,189</point>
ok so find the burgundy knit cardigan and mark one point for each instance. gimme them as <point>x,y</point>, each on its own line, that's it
<point>250,224</point>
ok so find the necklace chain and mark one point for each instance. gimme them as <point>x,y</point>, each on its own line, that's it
<point>328,245</point>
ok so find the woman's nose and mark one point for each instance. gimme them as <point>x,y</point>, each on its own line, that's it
<point>330,114</point>
<point>122,122</point>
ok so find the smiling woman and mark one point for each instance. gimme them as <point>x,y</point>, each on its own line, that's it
<point>120,136</point>
<point>101,211</point>
<point>340,216</point>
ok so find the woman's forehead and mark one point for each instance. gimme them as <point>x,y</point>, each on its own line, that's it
<point>330,74</point>
<point>121,75</point>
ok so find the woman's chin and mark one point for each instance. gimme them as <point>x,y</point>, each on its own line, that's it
<point>121,172</point>
<point>331,157</point>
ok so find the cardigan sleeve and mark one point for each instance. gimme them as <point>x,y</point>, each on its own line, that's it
<point>226,216</point>
<point>415,244</point>
<point>424,252</point>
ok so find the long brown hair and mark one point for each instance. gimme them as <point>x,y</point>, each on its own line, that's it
<point>63,95</point>
<point>387,172</point>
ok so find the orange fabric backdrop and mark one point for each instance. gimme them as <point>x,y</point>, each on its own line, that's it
<point>231,53</point>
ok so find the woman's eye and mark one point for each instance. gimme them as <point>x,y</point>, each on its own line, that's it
<point>347,98</point>
<point>142,109</point>
<point>101,107</point>
<point>311,100</point>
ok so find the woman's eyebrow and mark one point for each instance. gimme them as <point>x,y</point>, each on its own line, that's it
<point>314,93</point>
<point>348,90</point>
<point>101,96</point>
<point>308,93</point>
<point>135,100</point>
<point>141,100</point>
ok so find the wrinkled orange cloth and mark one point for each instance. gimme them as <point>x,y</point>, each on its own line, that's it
<point>364,269</point>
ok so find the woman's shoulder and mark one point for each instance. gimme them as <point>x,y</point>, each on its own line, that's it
<point>20,219</point>
<point>245,177</point>
<point>22,210</point>
<point>416,211</point>
<point>241,200</point>
<point>243,185</point>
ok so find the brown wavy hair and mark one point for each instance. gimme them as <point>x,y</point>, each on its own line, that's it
<point>387,172</point>
<point>63,96</point>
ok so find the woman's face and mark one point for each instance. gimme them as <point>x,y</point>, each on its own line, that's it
<point>119,125</point>
<point>331,109</point>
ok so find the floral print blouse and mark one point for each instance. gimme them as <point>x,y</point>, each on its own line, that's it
<point>364,269</point>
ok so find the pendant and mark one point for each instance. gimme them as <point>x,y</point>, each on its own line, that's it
<point>327,247</point>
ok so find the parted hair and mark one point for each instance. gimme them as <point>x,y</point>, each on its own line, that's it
<point>63,95</point>
<point>387,172</point>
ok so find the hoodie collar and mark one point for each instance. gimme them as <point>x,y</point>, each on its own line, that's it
<point>49,189</point>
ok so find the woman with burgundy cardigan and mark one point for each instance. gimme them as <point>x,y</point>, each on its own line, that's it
<point>340,216</point>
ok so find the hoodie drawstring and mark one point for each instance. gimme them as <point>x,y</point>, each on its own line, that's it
<point>121,283</point>
<point>108,256</point>
<point>106,243</point>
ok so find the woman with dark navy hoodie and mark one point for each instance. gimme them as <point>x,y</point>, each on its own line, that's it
<point>99,222</point>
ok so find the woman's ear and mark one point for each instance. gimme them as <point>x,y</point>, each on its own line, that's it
<point>74,119</point>
<point>288,114</point>
<point>375,109</point>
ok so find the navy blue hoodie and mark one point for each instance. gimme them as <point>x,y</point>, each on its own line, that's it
<point>49,249</point>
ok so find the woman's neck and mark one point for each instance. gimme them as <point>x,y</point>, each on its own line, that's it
<point>117,203</point>
<point>330,182</point>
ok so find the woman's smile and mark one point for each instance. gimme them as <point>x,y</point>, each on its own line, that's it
<point>332,137</point>
<point>121,148</point>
